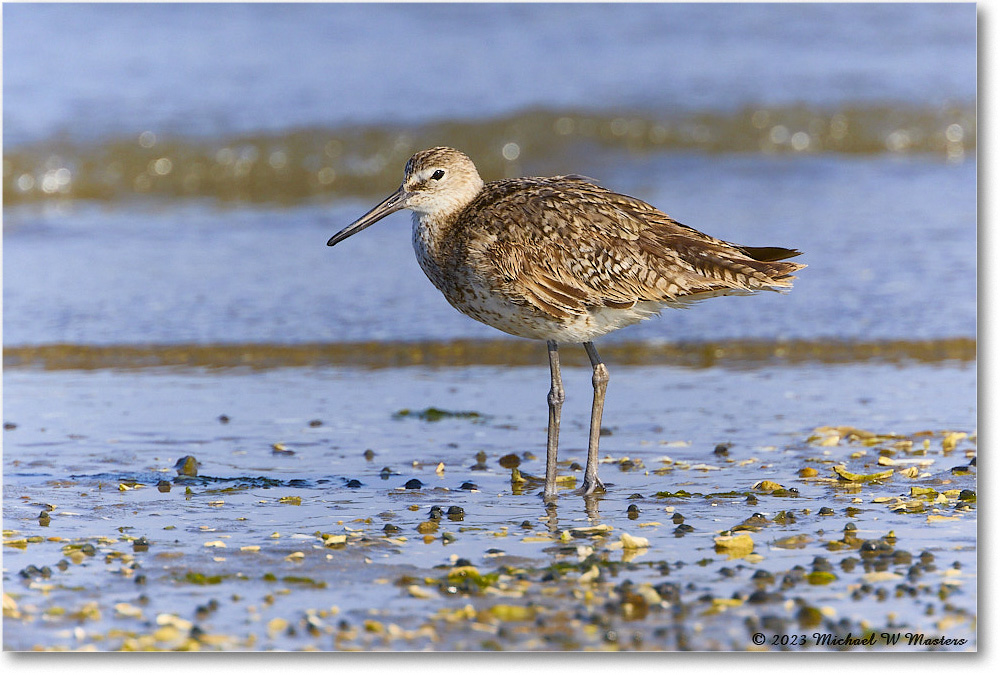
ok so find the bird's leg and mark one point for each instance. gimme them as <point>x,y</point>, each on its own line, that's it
<point>556,397</point>
<point>591,482</point>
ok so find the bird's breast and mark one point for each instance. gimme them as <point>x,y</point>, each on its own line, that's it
<point>472,285</point>
<point>428,247</point>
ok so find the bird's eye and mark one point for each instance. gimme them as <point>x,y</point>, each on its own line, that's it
<point>437,175</point>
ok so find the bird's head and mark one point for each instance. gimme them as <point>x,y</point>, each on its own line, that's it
<point>437,182</point>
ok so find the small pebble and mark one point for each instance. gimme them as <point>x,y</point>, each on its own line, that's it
<point>762,597</point>
<point>784,517</point>
<point>794,576</point>
<point>874,549</point>
<point>902,558</point>
<point>821,564</point>
<point>29,572</point>
<point>187,466</point>
<point>510,461</point>
<point>669,591</point>
<point>809,617</point>
<point>413,484</point>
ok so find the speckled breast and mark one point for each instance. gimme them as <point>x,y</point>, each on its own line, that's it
<point>472,294</point>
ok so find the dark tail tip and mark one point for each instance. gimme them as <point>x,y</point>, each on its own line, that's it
<point>769,253</point>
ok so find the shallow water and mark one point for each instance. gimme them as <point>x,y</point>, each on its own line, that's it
<point>194,273</point>
<point>90,447</point>
<point>264,67</point>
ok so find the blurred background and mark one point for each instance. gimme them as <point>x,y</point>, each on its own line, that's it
<point>171,172</point>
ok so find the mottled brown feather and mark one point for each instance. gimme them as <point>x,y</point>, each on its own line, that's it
<point>566,245</point>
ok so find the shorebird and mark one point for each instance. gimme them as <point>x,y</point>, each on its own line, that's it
<point>562,259</point>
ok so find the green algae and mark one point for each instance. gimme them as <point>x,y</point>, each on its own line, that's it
<point>433,414</point>
<point>202,579</point>
<point>497,352</point>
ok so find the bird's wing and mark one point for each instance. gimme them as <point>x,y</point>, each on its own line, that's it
<point>566,246</point>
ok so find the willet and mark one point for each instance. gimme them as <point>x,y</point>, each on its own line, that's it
<point>561,259</point>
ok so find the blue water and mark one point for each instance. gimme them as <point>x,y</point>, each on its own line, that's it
<point>890,245</point>
<point>93,70</point>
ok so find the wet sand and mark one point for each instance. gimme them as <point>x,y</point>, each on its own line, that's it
<point>293,536</point>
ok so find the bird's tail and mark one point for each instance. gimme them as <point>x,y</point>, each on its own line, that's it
<point>771,257</point>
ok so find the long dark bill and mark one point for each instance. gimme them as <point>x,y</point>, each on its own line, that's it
<point>394,202</point>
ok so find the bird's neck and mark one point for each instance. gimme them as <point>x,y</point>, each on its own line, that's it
<point>432,227</point>
<point>430,231</point>
<point>433,224</point>
<point>429,237</point>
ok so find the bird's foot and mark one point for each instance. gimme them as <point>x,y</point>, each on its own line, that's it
<point>590,486</point>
